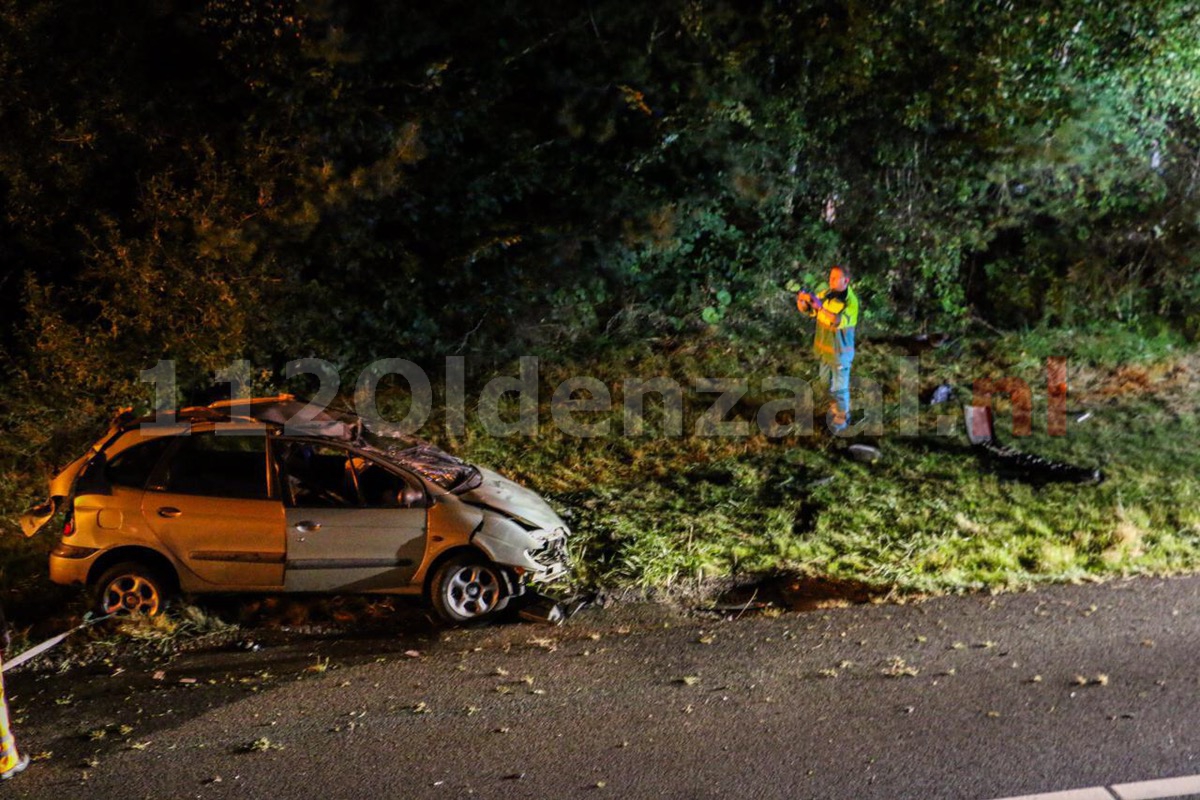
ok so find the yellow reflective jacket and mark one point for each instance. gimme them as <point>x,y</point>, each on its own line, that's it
<point>836,321</point>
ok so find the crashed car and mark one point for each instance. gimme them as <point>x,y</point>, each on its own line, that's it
<point>267,496</point>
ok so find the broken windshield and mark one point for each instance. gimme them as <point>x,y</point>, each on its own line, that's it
<point>427,460</point>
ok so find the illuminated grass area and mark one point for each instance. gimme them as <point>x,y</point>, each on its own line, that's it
<point>678,512</point>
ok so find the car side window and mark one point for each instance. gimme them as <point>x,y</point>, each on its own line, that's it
<point>316,475</point>
<point>382,488</point>
<point>132,467</point>
<point>217,466</point>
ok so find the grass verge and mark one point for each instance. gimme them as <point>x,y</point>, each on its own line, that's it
<point>689,513</point>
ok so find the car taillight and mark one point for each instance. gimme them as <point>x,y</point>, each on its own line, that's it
<point>69,526</point>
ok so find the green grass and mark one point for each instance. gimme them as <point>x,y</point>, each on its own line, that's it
<point>671,513</point>
<point>686,513</point>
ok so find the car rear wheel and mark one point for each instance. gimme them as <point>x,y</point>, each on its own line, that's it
<point>131,588</point>
<point>468,588</point>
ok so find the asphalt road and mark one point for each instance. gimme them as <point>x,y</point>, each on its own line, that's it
<point>957,697</point>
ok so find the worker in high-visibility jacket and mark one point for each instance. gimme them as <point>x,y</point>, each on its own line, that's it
<point>836,311</point>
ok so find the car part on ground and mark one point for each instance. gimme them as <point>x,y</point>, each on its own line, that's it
<point>542,609</point>
<point>864,453</point>
<point>1011,463</point>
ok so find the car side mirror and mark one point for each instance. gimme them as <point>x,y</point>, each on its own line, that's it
<point>411,497</point>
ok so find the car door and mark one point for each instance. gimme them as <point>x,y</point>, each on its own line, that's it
<point>353,524</point>
<point>212,503</point>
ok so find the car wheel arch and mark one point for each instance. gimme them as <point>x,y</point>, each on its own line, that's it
<point>143,555</point>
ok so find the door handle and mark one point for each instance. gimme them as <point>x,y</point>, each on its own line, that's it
<point>169,512</point>
<point>308,526</point>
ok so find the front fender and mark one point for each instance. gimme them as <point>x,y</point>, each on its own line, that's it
<point>506,543</point>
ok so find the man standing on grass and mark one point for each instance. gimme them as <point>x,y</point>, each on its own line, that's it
<point>836,311</point>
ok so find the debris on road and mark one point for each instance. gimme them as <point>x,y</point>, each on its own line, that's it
<point>542,609</point>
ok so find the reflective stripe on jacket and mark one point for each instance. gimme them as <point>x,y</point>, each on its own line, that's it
<point>836,322</point>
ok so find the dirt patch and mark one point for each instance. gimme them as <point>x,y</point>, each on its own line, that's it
<point>792,592</point>
<point>1132,380</point>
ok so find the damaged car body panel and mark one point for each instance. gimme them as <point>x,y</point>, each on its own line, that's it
<point>62,484</point>
<point>507,542</point>
<point>235,497</point>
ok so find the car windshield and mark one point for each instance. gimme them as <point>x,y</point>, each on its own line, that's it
<point>427,460</point>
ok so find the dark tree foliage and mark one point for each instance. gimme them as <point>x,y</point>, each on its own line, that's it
<point>273,179</point>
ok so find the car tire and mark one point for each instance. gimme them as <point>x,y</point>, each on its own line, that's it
<point>131,588</point>
<point>468,588</point>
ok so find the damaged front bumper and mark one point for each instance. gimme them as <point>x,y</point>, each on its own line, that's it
<point>552,556</point>
<point>538,555</point>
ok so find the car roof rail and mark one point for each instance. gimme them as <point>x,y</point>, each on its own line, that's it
<point>244,401</point>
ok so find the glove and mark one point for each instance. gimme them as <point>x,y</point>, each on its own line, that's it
<point>804,301</point>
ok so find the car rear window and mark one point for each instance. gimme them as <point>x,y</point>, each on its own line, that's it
<point>132,467</point>
<point>218,466</point>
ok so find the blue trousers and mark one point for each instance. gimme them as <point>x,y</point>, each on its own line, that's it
<point>838,375</point>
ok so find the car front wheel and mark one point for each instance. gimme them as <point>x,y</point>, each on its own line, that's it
<point>130,588</point>
<point>468,588</point>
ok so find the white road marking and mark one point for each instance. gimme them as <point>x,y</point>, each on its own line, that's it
<point>1150,790</point>
<point>1094,793</point>
<point>1186,786</point>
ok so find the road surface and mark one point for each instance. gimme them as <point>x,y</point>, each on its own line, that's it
<point>1066,688</point>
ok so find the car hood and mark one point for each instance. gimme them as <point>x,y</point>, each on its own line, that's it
<point>511,498</point>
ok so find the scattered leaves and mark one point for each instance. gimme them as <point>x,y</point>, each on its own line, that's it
<point>897,668</point>
<point>260,745</point>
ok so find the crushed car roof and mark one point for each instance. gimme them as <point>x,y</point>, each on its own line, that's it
<point>299,417</point>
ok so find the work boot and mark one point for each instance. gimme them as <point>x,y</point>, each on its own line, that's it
<point>837,422</point>
<point>15,770</point>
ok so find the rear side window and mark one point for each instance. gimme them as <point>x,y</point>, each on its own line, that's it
<point>218,466</point>
<point>132,467</point>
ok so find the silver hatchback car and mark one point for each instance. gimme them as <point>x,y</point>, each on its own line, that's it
<point>246,498</point>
